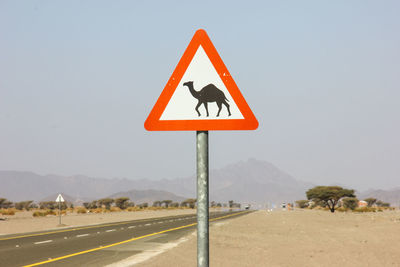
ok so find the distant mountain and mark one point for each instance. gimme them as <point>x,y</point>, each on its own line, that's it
<point>390,196</point>
<point>251,181</point>
<point>17,186</point>
<point>148,196</point>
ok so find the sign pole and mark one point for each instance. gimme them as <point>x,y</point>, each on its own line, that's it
<point>59,212</point>
<point>202,199</point>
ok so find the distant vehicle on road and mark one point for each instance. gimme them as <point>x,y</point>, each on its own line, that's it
<point>247,207</point>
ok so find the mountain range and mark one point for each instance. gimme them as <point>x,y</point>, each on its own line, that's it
<point>251,181</point>
<point>391,196</point>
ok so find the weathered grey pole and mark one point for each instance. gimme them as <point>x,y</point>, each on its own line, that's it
<point>59,212</point>
<point>202,199</point>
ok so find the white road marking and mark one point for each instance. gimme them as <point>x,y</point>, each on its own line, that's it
<point>147,254</point>
<point>131,227</point>
<point>42,242</point>
<point>17,246</point>
<point>82,235</point>
<point>98,232</point>
<point>171,220</point>
<point>147,224</point>
<point>112,230</point>
<point>65,237</point>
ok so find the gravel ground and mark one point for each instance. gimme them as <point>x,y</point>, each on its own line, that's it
<point>296,238</point>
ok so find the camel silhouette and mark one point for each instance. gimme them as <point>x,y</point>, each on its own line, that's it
<point>209,93</point>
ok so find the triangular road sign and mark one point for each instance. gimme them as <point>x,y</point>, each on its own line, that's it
<point>59,198</point>
<point>201,95</point>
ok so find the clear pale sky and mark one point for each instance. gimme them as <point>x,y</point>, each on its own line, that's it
<point>78,79</point>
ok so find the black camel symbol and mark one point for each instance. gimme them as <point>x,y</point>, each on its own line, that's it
<point>209,93</point>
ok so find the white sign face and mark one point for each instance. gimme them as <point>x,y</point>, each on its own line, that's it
<point>59,198</point>
<point>201,90</point>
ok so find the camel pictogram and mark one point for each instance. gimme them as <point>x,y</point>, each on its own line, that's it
<point>208,94</point>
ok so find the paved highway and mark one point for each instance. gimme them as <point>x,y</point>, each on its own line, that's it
<point>96,245</point>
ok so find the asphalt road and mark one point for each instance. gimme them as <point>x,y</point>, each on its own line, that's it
<point>97,245</point>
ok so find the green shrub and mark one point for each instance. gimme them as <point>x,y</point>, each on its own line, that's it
<point>350,202</point>
<point>302,204</point>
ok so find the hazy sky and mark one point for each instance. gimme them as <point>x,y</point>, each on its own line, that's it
<point>78,79</point>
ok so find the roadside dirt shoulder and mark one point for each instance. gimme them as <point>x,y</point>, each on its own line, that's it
<point>296,238</point>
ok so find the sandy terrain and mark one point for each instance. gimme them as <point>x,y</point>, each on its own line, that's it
<point>23,222</point>
<point>296,238</point>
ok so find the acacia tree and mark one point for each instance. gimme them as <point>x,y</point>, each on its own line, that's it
<point>370,201</point>
<point>106,202</point>
<point>157,203</point>
<point>23,205</point>
<point>122,202</point>
<point>329,195</point>
<point>5,204</point>
<point>166,202</point>
<point>191,202</point>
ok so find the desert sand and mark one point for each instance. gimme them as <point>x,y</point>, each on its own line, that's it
<point>296,238</point>
<point>23,222</point>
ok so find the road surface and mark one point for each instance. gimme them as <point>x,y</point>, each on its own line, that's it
<point>97,245</point>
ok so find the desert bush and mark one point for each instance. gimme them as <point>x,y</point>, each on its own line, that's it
<point>48,205</point>
<point>365,209</point>
<point>81,210</point>
<point>350,202</point>
<point>150,208</point>
<point>50,212</point>
<point>97,210</point>
<point>39,213</point>
<point>133,209</point>
<point>9,211</point>
<point>302,203</point>
<point>342,209</point>
<point>145,205</point>
<point>115,209</point>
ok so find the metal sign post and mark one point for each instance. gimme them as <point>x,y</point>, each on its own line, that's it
<point>202,199</point>
<point>59,199</point>
<point>201,81</point>
<point>59,212</point>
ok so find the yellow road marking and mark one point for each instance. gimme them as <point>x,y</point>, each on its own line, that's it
<point>76,228</point>
<point>126,241</point>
